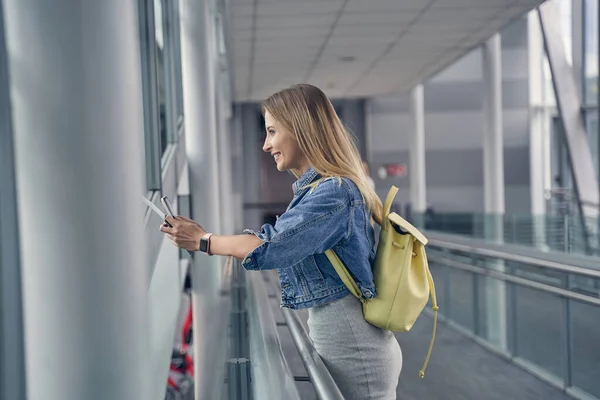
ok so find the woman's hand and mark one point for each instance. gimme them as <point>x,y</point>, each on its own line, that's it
<point>185,232</point>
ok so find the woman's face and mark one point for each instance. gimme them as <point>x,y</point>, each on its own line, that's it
<point>283,147</point>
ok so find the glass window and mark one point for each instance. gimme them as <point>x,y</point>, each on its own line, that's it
<point>177,62</point>
<point>152,137</point>
<point>160,73</point>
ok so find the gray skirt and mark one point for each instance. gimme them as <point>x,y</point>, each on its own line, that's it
<point>365,361</point>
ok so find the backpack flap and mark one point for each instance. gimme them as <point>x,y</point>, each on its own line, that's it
<point>407,227</point>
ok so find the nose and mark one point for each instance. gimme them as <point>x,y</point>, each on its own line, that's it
<point>267,146</point>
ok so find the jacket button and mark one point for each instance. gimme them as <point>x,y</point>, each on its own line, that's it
<point>368,293</point>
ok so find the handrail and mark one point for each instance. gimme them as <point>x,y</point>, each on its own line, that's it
<point>271,376</point>
<point>519,281</point>
<point>580,265</point>
<point>320,377</point>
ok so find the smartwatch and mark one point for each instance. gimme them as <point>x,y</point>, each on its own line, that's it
<point>205,244</point>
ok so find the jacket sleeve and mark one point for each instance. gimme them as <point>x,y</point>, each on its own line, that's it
<point>313,226</point>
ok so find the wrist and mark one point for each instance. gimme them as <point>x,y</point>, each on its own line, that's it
<point>204,245</point>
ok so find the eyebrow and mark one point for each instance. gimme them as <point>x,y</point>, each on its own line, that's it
<point>270,127</point>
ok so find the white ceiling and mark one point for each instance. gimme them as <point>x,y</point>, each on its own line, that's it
<point>395,44</point>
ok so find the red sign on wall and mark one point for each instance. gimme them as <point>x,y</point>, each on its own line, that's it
<point>396,169</point>
<point>393,170</point>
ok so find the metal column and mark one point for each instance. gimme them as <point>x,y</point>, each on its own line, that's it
<point>78,123</point>
<point>12,352</point>
<point>199,92</point>
<point>418,186</point>
<point>493,158</point>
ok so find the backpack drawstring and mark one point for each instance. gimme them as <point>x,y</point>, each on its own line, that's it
<point>435,309</point>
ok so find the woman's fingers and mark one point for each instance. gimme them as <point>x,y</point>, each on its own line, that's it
<point>171,220</point>
<point>184,233</point>
<point>166,228</point>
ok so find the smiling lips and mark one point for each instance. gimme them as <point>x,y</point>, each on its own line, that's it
<point>276,156</point>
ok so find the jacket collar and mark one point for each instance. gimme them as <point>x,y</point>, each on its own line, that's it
<point>309,177</point>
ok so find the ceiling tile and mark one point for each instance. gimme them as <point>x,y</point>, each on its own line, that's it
<point>384,5</point>
<point>244,9</point>
<point>393,49</point>
<point>367,30</point>
<point>378,17</point>
<point>361,41</point>
<point>244,22</point>
<point>470,3</point>
<point>299,7</point>
<point>290,42</point>
<point>270,2</point>
<point>291,33</point>
<point>360,53</point>
<point>275,49</point>
<point>295,21</point>
<point>466,15</point>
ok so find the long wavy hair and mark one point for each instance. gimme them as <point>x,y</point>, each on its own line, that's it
<point>306,112</point>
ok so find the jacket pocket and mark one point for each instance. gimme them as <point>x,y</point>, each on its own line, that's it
<point>309,276</point>
<point>287,291</point>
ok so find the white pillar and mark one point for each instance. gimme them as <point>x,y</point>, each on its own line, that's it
<point>225,162</point>
<point>493,138</point>
<point>538,137</point>
<point>418,187</point>
<point>78,124</point>
<point>493,158</point>
<point>199,87</point>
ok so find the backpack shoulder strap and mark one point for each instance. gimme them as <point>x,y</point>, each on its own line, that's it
<point>344,274</point>
<point>389,199</point>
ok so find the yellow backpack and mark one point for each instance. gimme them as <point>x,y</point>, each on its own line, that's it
<point>403,281</point>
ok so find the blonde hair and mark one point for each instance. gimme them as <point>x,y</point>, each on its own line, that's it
<point>307,113</point>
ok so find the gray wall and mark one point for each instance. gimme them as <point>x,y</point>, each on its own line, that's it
<point>453,131</point>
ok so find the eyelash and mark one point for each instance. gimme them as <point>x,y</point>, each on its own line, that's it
<point>271,132</point>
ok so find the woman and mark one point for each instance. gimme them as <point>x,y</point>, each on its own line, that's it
<point>332,207</point>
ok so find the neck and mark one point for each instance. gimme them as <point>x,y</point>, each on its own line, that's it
<point>302,170</point>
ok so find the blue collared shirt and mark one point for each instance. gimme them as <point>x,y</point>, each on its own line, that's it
<point>331,216</point>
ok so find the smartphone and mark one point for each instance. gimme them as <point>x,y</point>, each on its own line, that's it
<point>169,208</point>
<point>167,205</point>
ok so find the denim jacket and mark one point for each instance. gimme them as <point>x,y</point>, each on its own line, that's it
<point>331,216</point>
